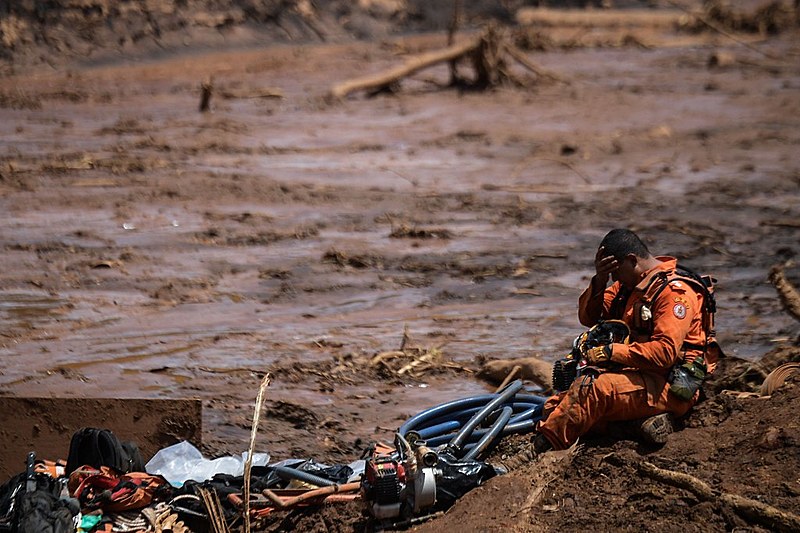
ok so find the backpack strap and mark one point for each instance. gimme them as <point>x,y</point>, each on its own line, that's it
<point>617,307</point>
<point>702,284</point>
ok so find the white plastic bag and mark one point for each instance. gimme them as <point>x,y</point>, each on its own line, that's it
<point>181,462</point>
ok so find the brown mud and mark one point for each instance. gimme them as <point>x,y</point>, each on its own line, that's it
<point>152,251</point>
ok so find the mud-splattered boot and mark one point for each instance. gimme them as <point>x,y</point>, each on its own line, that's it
<point>656,429</point>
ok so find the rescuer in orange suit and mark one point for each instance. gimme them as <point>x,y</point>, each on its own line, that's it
<point>633,380</point>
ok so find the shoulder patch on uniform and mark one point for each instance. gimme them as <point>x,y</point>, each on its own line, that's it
<point>679,310</point>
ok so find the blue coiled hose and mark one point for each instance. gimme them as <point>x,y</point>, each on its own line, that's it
<point>449,410</point>
<point>436,424</point>
<point>524,426</point>
<point>465,414</point>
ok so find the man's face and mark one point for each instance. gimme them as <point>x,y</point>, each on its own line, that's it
<point>626,272</point>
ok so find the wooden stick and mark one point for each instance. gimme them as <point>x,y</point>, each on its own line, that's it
<point>451,39</point>
<point>248,464</point>
<point>523,60</point>
<point>753,510</point>
<point>214,509</point>
<point>206,88</point>
<point>511,375</point>
<point>415,64</point>
<point>416,362</point>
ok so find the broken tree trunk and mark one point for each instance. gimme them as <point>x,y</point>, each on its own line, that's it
<point>753,510</point>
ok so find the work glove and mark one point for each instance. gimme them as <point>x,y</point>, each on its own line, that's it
<point>599,355</point>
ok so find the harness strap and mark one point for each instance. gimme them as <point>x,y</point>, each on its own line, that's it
<point>617,308</point>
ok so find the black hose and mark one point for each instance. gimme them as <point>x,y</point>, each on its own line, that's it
<point>288,474</point>
<point>491,435</point>
<point>458,441</point>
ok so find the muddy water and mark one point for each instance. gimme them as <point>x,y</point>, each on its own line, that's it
<point>151,251</point>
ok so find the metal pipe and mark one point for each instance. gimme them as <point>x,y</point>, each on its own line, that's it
<point>490,435</point>
<point>455,445</point>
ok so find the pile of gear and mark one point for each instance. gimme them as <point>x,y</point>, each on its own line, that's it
<point>104,485</point>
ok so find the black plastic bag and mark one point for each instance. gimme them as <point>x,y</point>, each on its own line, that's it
<point>457,478</point>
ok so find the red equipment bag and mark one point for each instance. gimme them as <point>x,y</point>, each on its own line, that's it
<point>104,489</point>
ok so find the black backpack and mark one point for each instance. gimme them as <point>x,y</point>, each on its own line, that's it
<point>30,503</point>
<point>42,512</point>
<point>100,447</point>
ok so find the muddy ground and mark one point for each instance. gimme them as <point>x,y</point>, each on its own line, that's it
<point>153,251</point>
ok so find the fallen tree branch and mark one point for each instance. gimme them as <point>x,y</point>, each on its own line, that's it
<point>752,510</point>
<point>523,60</point>
<point>790,297</point>
<point>415,64</point>
<point>488,54</point>
<point>720,30</point>
<point>252,94</point>
<point>511,375</point>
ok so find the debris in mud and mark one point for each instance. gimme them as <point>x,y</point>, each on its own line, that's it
<point>251,93</point>
<point>752,510</point>
<point>206,90</point>
<point>414,360</point>
<point>358,261</point>
<point>766,18</point>
<point>789,295</point>
<point>490,55</point>
<point>778,377</point>
<point>407,364</point>
<point>19,99</point>
<point>530,368</point>
<point>404,231</point>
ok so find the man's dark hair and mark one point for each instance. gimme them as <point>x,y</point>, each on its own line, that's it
<point>621,242</point>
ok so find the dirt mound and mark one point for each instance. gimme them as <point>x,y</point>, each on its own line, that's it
<point>745,447</point>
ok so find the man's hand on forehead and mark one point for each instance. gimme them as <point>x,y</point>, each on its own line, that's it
<point>605,264</point>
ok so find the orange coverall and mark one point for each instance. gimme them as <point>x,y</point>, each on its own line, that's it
<point>640,389</point>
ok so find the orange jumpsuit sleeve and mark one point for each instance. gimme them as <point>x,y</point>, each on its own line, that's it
<point>594,305</point>
<point>673,313</point>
